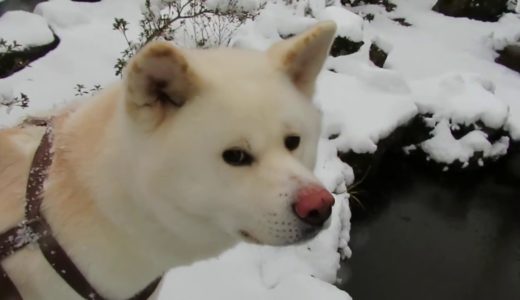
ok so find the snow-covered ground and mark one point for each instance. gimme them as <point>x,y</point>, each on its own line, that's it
<point>440,65</point>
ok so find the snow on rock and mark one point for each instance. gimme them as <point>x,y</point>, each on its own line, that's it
<point>461,98</point>
<point>86,55</point>
<point>349,24</point>
<point>444,148</point>
<point>275,21</point>
<point>452,101</point>
<point>226,5</point>
<point>62,13</point>
<point>507,33</point>
<point>363,108</point>
<point>25,28</point>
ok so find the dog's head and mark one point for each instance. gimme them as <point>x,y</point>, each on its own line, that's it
<point>229,136</point>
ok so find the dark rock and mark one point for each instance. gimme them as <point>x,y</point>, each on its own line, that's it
<point>27,5</point>
<point>416,131</point>
<point>483,10</point>
<point>344,46</point>
<point>377,55</point>
<point>16,60</point>
<point>492,133</point>
<point>369,17</point>
<point>510,57</point>
<point>389,6</point>
<point>364,164</point>
<point>402,21</point>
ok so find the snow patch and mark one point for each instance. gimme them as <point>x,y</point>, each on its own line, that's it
<point>462,98</point>
<point>62,13</point>
<point>364,108</point>
<point>444,148</point>
<point>349,24</point>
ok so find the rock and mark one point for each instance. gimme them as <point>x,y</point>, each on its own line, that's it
<point>510,57</point>
<point>388,5</point>
<point>26,5</point>
<point>365,164</point>
<point>402,21</point>
<point>24,37</point>
<point>423,144</point>
<point>16,60</point>
<point>344,46</point>
<point>349,33</point>
<point>377,55</point>
<point>483,10</point>
<point>406,140</point>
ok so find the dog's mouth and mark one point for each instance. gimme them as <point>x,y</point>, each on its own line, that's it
<point>249,237</point>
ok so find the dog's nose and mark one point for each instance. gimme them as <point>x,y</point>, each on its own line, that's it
<point>313,205</point>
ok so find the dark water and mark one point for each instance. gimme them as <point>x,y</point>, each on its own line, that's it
<point>423,236</point>
<point>27,5</point>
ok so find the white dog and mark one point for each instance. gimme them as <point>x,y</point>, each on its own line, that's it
<point>192,152</point>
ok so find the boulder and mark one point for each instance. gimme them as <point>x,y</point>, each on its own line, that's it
<point>24,37</point>
<point>510,57</point>
<point>377,54</point>
<point>387,4</point>
<point>483,10</point>
<point>344,46</point>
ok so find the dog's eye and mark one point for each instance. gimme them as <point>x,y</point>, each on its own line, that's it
<point>237,157</point>
<point>292,142</point>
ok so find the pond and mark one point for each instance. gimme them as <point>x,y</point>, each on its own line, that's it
<point>27,5</point>
<point>425,235</point>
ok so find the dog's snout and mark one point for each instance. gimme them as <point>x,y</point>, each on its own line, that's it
<point>313,205</point>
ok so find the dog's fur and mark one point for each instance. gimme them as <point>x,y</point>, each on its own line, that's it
<point>139,185</point>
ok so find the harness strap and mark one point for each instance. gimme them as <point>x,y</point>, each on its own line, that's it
<point>36,228</point>
<point>7,289</point>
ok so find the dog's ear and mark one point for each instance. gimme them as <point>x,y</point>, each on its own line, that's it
<point>158,78</point>
<point>302,56</point>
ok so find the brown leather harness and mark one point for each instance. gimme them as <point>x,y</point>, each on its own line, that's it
<point>35,229</point>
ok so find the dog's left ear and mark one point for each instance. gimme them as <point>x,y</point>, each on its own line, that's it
<point>302,56</point>
<point>158,79</point>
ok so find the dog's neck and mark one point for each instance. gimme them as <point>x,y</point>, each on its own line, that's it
<point>119,246</point>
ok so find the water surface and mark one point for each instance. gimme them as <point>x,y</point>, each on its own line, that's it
<point>422,236</point>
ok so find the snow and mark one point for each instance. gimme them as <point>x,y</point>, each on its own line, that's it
<point>444,148</point>
<point>464,99</point>
<point>440,65</point>
<point>25,28</point>
<point>349,24</point>
<point>226,5</point>
<point>348,103</point>
<point>62,13</point>
<point>253,272</point>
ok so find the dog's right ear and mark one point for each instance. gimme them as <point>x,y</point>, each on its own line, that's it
<point>158,78</point>
<point>302,57</point>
